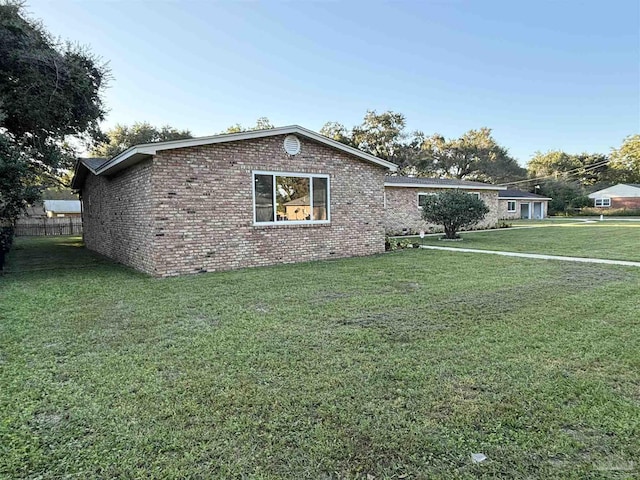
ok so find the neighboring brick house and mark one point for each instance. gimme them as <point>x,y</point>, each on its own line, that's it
<point>622,195</point>
<point>403,195</point>
<point>515,204</point>
<point>218,203</point>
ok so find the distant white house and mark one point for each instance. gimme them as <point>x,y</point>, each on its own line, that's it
<point>622,195</point>
<point>62,208</point>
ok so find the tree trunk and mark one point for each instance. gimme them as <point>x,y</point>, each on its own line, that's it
<point>449,232</point>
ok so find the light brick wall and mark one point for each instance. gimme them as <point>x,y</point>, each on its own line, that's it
<point>190,210</point>
<point>402,212</point>
<point>116,216</point>
<point>203,207</point>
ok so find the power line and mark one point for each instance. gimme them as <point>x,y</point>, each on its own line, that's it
<point>576,170</point>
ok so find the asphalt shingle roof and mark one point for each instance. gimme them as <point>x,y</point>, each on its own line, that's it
<point>93,163</point>
<point>518,194</point>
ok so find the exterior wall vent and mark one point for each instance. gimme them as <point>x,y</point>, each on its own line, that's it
<point>291,145</point>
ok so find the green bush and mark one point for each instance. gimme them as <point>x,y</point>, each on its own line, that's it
<point>454,210</point>
<point>607,212</point>
<point>6,239</point>
<point>583,201</point>
<point>399,243</point>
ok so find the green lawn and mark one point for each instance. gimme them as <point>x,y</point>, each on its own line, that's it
<point>611,240</point>
<point>394,366</point>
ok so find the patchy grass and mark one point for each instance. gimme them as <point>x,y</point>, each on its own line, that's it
<point>611,240</point>
<point>395,366</point>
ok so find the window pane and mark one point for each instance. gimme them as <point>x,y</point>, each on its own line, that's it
<point>264,198</point>
<point>422,198</point>
<point>292,194</point>
<point>320,190</point>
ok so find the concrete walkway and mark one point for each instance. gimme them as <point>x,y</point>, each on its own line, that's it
<point>536,255</point>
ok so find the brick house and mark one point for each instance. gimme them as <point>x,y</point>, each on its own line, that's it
<point>403,197</point>
<point>218,203</point>
<point>515,204</point>
<point>622,195</point>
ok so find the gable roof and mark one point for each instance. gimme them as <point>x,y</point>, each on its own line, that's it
<point>424,182</point>
<point>513,194</point>
<point>302,201</point>
<point>623,190</point>
<point>62,206</point>
<point>138,153</point>
<point>93,163</point>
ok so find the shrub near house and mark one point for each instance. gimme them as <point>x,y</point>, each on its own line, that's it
<point>453,210</point>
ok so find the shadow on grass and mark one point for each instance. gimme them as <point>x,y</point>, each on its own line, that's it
<point>34,254</point>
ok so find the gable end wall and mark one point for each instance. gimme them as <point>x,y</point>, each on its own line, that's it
<point>203,207</point>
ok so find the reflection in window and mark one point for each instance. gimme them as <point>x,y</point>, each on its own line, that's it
<point>422,198</point>
<point>296,198</point>
<point>264,198</point>
<point>320,194</point>
<point>294,204</point>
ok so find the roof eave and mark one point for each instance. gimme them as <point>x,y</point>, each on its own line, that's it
<point>525,198</point>
<point>439,185</point>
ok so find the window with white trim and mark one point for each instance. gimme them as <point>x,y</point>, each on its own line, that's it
<point>286,198</point>
<point>603,202</point>
<point>475,194</point>
<point>511,205</point>
<point>422,198</point>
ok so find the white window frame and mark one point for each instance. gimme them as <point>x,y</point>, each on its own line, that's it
<point>477,194</point>
<point>310,176</point>
<point>515,206</point>
<point>419,194</point>
<point>602,201</point>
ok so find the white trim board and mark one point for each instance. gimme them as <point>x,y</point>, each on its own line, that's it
<point>439,185</point>
<point>537,199</point>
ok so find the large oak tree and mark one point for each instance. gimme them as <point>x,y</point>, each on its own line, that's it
<point>50,92</point>
<point>474,156</point>
<point>121,137</point>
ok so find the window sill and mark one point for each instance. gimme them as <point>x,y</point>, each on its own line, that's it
<point>291,224</point>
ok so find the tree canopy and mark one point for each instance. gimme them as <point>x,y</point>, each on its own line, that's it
<point>262,123</point>
<point>50,92</point>
<point>584,168</point>
<point>453,209</point>
<point>473,156</point>
<point>121,137</point>
<point>625,161</point>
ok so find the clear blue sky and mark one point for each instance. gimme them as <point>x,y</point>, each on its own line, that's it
<point>543,75</point>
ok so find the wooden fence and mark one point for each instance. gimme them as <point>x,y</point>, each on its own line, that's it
<point>48,226</point>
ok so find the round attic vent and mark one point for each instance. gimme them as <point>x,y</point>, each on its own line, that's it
<point>291,145</point>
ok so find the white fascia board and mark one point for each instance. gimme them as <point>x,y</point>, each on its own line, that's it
<point>524,198</point>
<point>437,185</point>
<point>153,148</point>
